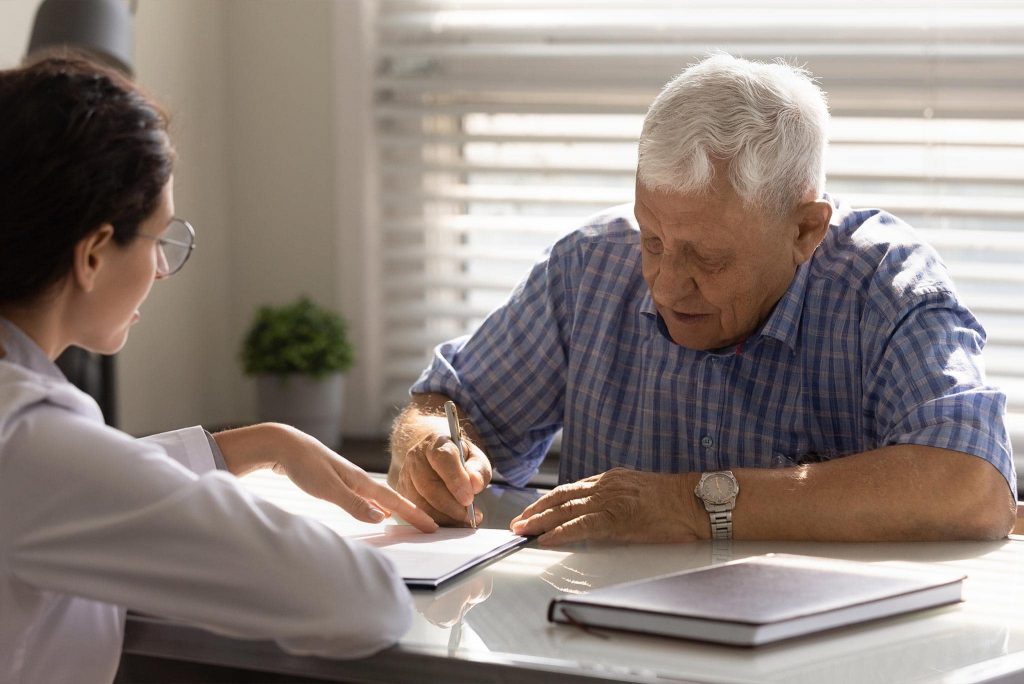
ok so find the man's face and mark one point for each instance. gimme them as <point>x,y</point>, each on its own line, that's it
<point>715,267</point>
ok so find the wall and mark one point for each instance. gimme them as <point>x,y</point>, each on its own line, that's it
<point>280,156</point>
<point>177,369</point>
<point>251,87</point>
<point>15,25</point>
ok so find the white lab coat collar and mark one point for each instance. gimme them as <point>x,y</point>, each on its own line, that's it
<point>26,367</point>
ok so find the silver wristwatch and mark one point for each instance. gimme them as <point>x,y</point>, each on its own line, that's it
<point>718,491</point>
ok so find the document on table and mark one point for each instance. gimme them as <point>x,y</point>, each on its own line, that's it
<point>425,561</point>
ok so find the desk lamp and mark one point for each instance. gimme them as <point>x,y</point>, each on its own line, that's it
<point>101,28</point>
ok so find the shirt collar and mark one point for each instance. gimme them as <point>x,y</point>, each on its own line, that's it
<point>784,321</point>
<point>23,351</point>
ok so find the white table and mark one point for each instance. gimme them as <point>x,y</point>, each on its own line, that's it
<point>490,625</point>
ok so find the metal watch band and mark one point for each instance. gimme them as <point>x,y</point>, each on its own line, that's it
<point>721,525</point>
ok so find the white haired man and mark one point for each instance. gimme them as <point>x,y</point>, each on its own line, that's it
<point>737,354</point>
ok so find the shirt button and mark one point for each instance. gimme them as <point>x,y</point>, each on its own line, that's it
<point>707,442</point>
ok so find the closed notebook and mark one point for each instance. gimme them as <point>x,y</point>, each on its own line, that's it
<point>761,599</point>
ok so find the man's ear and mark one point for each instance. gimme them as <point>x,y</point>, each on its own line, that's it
<point>91,256</point>
<point>812,220</point>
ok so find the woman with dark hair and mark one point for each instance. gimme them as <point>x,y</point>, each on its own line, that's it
<point>93,521</point>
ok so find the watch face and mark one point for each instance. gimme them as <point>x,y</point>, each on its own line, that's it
<point>718,488</point>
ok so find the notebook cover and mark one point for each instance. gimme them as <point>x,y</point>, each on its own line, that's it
<point>760,591</point>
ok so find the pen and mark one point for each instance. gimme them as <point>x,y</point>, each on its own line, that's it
<point>456,434</point>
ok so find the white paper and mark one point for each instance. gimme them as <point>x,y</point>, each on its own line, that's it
<point>435,556</point>
<point>418,556</point>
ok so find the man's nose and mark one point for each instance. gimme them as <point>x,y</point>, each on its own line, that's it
<point>675,279</point>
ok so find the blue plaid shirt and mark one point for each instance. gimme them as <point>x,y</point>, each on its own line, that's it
<point>868,347</point>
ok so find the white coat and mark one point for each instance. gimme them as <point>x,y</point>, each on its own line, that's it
<point>94,521</point>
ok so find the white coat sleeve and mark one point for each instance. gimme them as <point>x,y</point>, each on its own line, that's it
<point>188,446</point>
<point>90,511</point>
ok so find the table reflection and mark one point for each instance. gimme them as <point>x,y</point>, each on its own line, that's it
<point>498,613</point>
<point>502,610</point>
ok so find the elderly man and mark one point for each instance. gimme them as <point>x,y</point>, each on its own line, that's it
<point>737,354</point>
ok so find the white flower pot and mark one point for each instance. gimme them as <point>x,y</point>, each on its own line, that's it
<point>313,405</point>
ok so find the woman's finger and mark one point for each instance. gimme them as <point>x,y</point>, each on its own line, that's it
<point>394,502</point>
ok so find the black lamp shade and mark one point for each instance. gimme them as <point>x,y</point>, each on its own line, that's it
<point>102,28</point>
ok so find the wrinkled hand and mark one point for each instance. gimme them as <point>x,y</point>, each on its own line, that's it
<point>617,505</point>
<point>321,472</point>
<point>433,478</point>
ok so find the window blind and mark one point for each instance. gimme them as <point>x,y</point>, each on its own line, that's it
<point>501,123</point>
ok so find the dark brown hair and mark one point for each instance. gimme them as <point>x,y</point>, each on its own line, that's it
<point>80,146</point>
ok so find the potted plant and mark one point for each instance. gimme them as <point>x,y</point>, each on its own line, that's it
<point>298,354</point>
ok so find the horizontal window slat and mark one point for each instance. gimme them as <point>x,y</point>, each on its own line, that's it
<point>897,101</point>
<point>465,223</point>
<point>1006,207</point>
<point>599,87</point>
<point>1014,389</point>
<point>455,25</point>
<point>995,304</point>
<point>416,344</point>
<point>832,59</point>
<point>843,130</point>
<point>412,133</point>
<point>953,241</point>
<point>1012,207</point>
<point>414,284</point>
<point>1004,361</point>
<point>398,7</point>
<point>398,255</point>
<point>1012,339</point>
<point>860,104</point>
<point>1010,175</point>
<point>607,196</point>
<point>1014,176</point>
<point>967,241</point>
<point>987,273</point>
<point>400,311</point>
<point>408,138</point>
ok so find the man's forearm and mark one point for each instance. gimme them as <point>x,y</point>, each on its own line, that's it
<point>896,493</point>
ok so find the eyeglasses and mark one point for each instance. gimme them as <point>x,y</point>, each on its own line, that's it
<point>175,247</point>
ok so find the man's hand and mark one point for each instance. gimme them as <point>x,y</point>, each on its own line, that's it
<point>317,470</point>
<point>617,505</point>
<point>425,464</point>
<point>433,478</point>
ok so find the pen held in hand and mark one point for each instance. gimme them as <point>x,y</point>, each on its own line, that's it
<point>456,434</point>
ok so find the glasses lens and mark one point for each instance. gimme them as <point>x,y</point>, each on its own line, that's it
<point>176,244</point>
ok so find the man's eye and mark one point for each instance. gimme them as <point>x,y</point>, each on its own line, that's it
<point>710,264</point>
<point>653,245</point>
<point>713,267</point>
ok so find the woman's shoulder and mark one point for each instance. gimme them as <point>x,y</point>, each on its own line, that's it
<point>22,389</point>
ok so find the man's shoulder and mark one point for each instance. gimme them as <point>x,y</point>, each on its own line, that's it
<point>610,229</point>
<point>601,256</point>
<point>881,258</point>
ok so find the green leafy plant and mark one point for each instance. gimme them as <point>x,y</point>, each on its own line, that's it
<point>301,337</point>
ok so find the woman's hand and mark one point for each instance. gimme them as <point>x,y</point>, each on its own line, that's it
<point>317,470</point>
